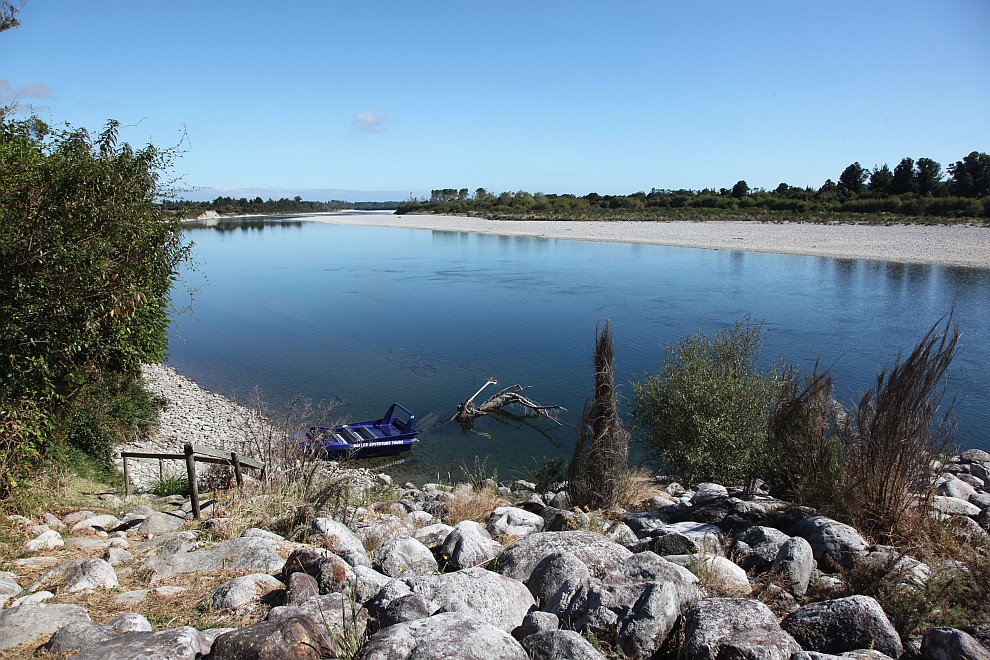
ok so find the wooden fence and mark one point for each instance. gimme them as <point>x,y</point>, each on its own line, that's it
<point>193,454</point>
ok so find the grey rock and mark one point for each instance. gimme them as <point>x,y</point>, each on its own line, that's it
<point>297,637</point>
<point>486,596</point>
<point>76,516</point>
<point>343,541</point>
<point>715,568</point>
<point>301,587</point>
<point>707,492</point>
<point>104,523</point>
<point>367,583</point>
<point>36,597</point>
<point>78,575</point>
<point>557,580</point>
<point>250,554</point>
<point>188,537</point>
<point>735,628</point>
<point>705,535</point>
<point>951,644</point>
<point>671,543</point>
<point>794,563</point>
<point>331,572</point>
<point>835,545</point>
<point>78,636</point>
<point>45,541</point>
<point>843,624</point>
<point>536,622</point>
<point>954,506</point>
<point>241,592</point>
<point>433,535</point>
<point>117,556</point>
<point>8,585</point>
<point>561,500</point>
<point>975,456</point>
<point>404,556</point>
<point>373,533</point>
<point>447,635</point>
<point>87,543</point>
<point>53,522</point>
<point>36,622</point>
<point>598,553</point>
<point>756,547</point>
<point>952,486</point>
<point>255,532</point>
<point>779,600</point>
<point>646,626</point>
<point>513,521</point>
<point>129,622</point>
<point>648,523</point>
<point>404,608</point>
<point>334,612</point>
<point>982,500</point>
<point>622,534</point>
<point>968,530</point>
<point>156,523</point>
<point>469,544</point>
<point>560,645</point>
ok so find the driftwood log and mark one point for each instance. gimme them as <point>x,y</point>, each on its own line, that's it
<point>467,411</point>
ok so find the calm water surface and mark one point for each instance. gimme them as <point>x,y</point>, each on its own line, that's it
<point>370,315</point>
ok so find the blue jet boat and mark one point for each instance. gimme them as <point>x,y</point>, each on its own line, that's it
<point>376,437</point>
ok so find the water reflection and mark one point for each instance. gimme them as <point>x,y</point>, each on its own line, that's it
<point>448,309</point>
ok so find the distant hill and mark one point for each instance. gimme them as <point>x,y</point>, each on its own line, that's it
<point>207,194</point>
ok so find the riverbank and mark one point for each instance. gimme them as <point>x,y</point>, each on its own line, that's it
<point>950,245</point>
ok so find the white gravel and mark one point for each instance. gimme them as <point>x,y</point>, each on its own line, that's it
<point>957,245</point>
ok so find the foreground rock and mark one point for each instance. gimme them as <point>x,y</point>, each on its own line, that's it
<point>448,635</point>
<point>844,624</point>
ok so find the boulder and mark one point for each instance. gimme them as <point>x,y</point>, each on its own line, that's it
<point>255,532</point>
<point>756,547</point>
<point>469,544</point>
<point>648,523</point>
<point>705,536</point>
<point>342,541</point>
<point>129,622</point>
<point>843,624</point>
<point>433,535</point>
<point>36,623</point>
<point>489,597</point>
<point>242,554</point>
<point>560,645</point>
<point>242,592</point>
<point>735,628</point>
<point>301,587</point>
<point>951,644</point>
<point>78,575</point>
<point>404,608</point>
<point>297,637</point>
<point>794,563</point>
<point>100,523</point>
<point>557,580</point>
<point>373,533</point>
<point>513,521</point>
<point>404,556</point>
<point>183,643</point>
<point>48,540</point>
<point>117,556</point>
<point>952,486</point>
<point>536,622</point>
<point>78,636</point>
<point>447,635</point>
<point>156,523</point>
<point>707,492</point>
<point>598,553</point>
<point>954,506</point>
<point>336,614</point>
<point>367,583</point>
<point>835,545</point>
<point>715,568</point>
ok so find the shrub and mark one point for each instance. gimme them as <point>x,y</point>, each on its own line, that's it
<point>602,450</point>
<point>891,438</point>
<point>705,413</point>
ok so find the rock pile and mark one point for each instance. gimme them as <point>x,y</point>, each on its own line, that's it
<point>393,581</point>
<point>693,574</point>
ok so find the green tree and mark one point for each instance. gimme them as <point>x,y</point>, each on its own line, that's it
<point>87,262</point>
<point>853,178</point>
<point>904,178</point>
<point>971,175</point>
<point>705,413</point>
<point>928,176</point>
<point>881,180</point>
<point>741,189</point>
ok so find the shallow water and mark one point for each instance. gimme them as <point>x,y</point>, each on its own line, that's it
<point>372,315</point>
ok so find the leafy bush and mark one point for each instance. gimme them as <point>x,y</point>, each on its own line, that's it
<point>86,266</point>
<point>705,413</point>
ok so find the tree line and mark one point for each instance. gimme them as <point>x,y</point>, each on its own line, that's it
<point>258,206</point>
<point>911,188</point>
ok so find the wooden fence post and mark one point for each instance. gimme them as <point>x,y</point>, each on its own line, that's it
<point>191,473</point>
<point>127,483</point>
<point>237,469</point>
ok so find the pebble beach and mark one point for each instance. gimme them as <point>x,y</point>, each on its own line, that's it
<point>950,245</point>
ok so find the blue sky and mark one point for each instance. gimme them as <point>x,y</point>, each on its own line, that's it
<point>545,96</point>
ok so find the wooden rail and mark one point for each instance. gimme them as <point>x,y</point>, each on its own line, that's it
<point>192,454</point>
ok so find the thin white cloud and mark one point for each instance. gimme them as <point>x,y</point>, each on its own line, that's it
<point>36,91</point>
<point>369,121</point>
<point>28,91</point>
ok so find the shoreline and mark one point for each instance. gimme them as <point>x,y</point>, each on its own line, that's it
<point>946,245</point>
